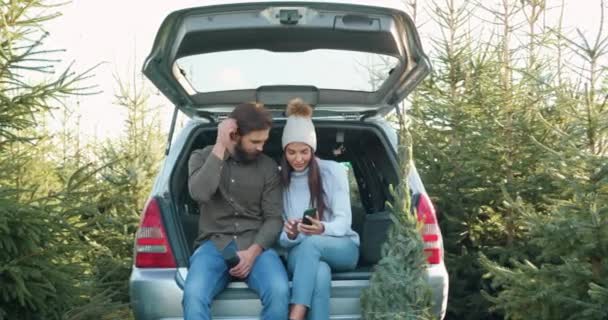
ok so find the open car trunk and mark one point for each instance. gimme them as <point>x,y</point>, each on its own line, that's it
<point>207,59</point>
<point>372,168</point>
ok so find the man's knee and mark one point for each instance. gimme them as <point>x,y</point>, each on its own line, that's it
<point>205,279</point>
<point>280,287</point>
<point>277,288</point>
<point>197,293</point>
<point>271,275</point>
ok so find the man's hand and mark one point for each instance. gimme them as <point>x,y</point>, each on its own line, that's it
<point>224,141</point>
<point>247,257</point>
<point>317,227</point>
<point>291,228</point>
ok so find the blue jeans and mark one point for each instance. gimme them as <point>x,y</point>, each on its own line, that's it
<point>208,275</point>
<point>311,263</point>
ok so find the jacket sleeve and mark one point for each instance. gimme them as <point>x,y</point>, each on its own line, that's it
<point>204,171</point>
<point>287,243</point>
<point>338,198</point>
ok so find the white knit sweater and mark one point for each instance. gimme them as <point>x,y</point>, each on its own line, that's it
<point>337,216</point>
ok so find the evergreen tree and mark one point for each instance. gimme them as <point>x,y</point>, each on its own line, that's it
<point>43,268</point>
<point>398,286</point>
<point>131,164</point>
<point>474,121</point>
<point>568,277</point>
<point>452,113</point>
<point>483,122</point>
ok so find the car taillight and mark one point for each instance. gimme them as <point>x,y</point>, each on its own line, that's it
<point>152,249</point>
<point>431,235</point>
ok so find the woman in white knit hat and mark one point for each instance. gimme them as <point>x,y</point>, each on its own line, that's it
<point>325,242</point>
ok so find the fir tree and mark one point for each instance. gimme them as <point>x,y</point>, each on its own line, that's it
<point>567,279</point>
<point>474,121</point>
<point>43,258</point>
<point>131,164</point>
<point>398,287</point>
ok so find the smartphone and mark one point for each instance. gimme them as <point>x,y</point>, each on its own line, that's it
<point>230,257</point>
<point>311,212</point>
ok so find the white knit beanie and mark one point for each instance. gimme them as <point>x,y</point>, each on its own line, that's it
<point>299,127</point>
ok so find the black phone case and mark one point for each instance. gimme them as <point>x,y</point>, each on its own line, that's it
<point>230,257</point>
<point>306,221</point>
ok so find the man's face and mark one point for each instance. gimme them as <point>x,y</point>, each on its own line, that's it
<point>249,146</point>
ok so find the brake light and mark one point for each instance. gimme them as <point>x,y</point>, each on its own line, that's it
<point>152,249</point>
<point>431,235</point>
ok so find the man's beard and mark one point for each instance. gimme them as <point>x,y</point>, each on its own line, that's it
<point>241,155</point>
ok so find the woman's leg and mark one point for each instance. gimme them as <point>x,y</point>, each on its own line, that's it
<point>319,307</point>
<point>297,310</point>
<point>339,253</point>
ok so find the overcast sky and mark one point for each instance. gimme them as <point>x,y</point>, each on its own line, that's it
<point>120,33</point>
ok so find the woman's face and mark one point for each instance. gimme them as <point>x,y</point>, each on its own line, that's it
<point>298,155</point>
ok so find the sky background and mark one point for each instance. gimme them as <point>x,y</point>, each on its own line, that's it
<point>119,34</point>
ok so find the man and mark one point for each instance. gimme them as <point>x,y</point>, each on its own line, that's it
<point>238,190</point>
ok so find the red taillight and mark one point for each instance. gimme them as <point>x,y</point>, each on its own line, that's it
<point>152,249</point>
<point>431,235</point>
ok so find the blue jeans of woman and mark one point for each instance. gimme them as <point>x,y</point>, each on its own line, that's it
<point>311,263</point>
<point>208,275</point>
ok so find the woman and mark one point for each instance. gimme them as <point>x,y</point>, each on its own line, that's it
<point>327,243</point>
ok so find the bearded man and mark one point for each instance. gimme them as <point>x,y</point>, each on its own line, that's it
<point>238,191</point>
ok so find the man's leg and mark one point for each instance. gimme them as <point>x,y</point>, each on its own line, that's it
<point>269,279</point>
<point>207,276</point>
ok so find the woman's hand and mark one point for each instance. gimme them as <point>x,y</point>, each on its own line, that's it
<point>291,228</point>
<point>316,227</point>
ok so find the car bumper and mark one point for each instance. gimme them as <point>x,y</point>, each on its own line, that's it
<point>156,294</point>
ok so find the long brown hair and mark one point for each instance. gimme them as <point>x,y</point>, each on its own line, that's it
<point>315,183</point>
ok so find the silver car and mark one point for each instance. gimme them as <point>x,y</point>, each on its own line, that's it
<point>354,61</point>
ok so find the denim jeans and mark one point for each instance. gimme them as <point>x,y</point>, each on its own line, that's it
<point>311,263</point>
<point>208,275</point>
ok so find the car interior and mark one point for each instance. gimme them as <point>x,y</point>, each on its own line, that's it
<point>360,146</point>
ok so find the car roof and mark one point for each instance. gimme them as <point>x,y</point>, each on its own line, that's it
<point>389,4</point>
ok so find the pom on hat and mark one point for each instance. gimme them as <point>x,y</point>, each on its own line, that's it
<point>299,126</point>
<point>297,107</point>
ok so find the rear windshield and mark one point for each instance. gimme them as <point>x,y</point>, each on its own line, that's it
<point>250,69</point>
